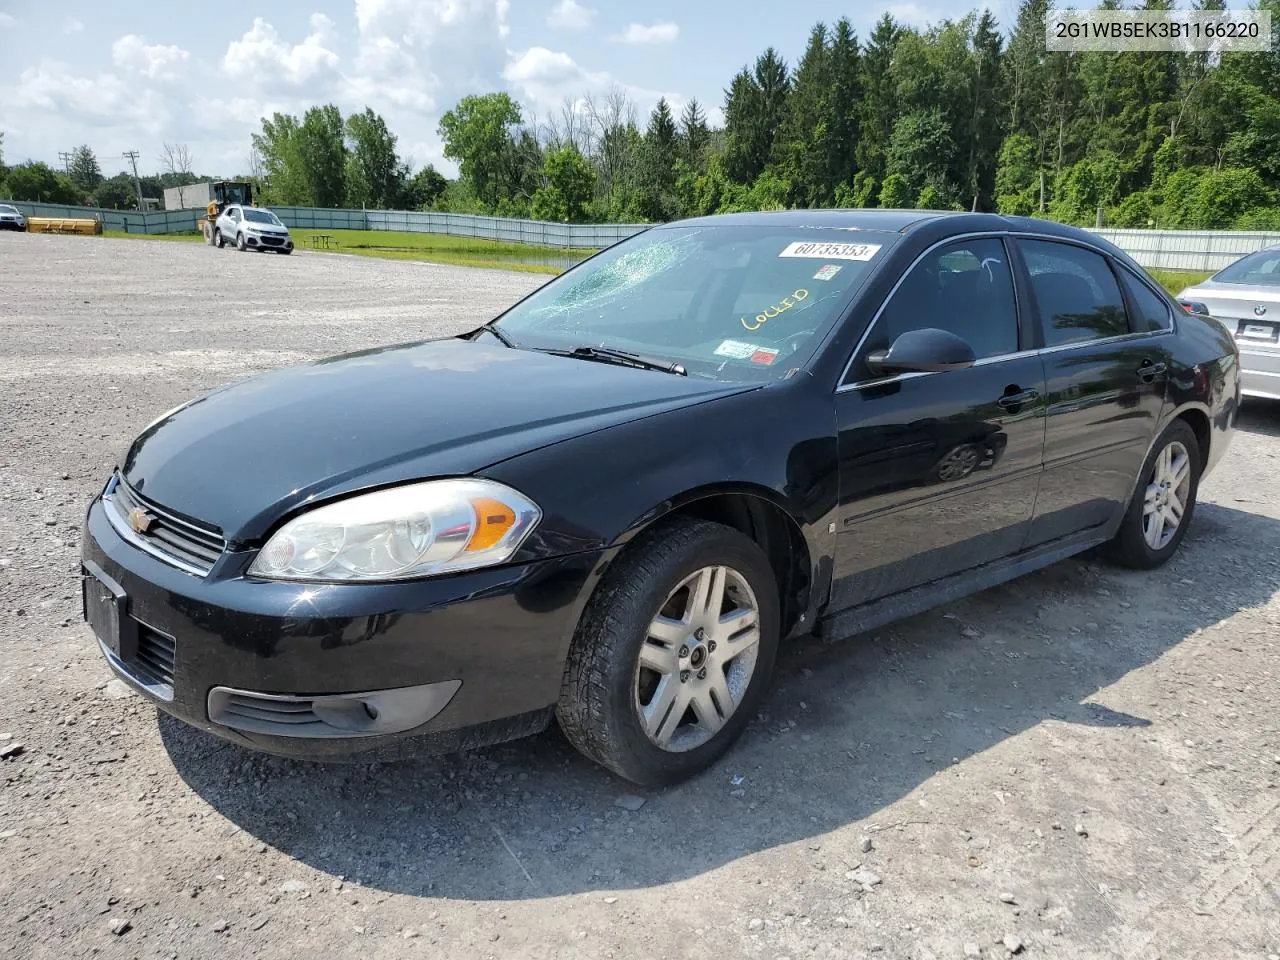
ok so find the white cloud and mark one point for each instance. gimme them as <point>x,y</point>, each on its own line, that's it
<point>415,56</point>
<point>569,15</point>
<point>157,61</point>
<point>72,26</point>
<point>544,79</point>
<point>657,33</point>
<point>262,56</point>
<point>102,100</point>
<point>6,19</point>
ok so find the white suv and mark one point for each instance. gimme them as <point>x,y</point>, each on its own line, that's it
<point>251,228</point>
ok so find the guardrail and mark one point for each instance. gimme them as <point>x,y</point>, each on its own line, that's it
<point>1200,250</point>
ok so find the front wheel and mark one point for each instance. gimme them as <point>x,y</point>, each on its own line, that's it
<point>1163,503</point>
<point>673,654</point>
<point>240,244</point>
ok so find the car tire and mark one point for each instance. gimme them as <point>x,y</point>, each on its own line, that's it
<point>240,244</point>
<point>1170,479</point>
<point>620,710</point>
<point>218,239</point>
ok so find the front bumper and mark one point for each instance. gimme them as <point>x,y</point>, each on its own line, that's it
<point>269,241</point>
<point>478,655</point>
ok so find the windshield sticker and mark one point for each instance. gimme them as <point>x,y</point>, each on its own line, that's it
<point>832,251</point>
<point>782,306</point>
<point>737,349</point>
<point>765,355</point>
<point>827,273</point>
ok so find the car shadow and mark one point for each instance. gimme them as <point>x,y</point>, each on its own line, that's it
<point>849,728</point>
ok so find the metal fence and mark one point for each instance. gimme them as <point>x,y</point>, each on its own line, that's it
<point>130,221</point>
<point>1200,250</point>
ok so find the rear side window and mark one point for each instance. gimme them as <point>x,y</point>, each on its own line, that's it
<point>1077,294</point>
<point>1153,312</point>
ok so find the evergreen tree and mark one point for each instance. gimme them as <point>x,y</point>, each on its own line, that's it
<point>878,105</point>
<point>83,169</point>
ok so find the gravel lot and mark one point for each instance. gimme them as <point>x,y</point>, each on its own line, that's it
<point>1084,763</point>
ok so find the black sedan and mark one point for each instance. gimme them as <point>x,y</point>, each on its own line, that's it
<point>612,503</point>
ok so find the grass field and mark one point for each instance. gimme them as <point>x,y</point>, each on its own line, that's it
<point>1175,280</point>
<point>433,248</point>
<point>471,252</point>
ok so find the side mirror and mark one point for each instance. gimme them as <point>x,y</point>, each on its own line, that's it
<point>922,351</point>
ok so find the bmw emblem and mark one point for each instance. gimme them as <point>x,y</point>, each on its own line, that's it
<point>1259,310</point>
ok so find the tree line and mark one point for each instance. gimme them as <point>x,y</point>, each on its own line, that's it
<point>963,114</point>
<point>959,115</point>
<point>82,182</point>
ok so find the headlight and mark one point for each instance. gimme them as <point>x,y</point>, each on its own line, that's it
<point>417,530</point>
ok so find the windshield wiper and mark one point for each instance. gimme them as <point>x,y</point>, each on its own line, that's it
<point>623,357</point>
<point>492,328</point>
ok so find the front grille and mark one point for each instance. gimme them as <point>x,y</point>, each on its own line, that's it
<point>259,713</point>
<point>273,241</point>
<point>154,662</point>
<point>191,546</point>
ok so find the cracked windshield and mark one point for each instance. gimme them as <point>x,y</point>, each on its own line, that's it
<point>724,302</point>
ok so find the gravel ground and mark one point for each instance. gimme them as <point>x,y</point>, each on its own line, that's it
<point>1084,763</point>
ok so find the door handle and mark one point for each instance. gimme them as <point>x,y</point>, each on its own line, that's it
<point>1016,399</point>
<point>1149,371</point>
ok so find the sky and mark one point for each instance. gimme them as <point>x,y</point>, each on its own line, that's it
<point>135,74</point>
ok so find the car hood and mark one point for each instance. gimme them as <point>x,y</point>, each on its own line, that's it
<point>245,455</point>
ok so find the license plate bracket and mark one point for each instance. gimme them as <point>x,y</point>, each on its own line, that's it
<point>1258,330</point>
<point>106,610</point>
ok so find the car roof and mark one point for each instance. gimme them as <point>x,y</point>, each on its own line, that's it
<point>890,221</point>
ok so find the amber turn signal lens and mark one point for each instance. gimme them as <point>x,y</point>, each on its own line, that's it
<point>493,520</point>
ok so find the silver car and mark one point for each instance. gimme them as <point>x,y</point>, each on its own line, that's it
<point>252,228</point>
<point>11,218</point>
<point>1245,298</point>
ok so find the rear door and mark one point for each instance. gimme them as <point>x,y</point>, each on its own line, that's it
<point>1105,375</point>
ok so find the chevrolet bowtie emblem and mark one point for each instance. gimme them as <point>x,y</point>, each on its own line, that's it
<point>140,520</point>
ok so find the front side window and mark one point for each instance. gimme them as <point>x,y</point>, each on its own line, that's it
<point>965,288</point>
<point>729,302</point>
<point>235,215</point>
<point>1077,294</point>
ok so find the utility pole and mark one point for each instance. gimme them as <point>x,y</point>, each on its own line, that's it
<point>132,157</point>
<point>65,157</point>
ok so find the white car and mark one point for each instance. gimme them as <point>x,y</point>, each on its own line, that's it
<point>251,228</point>
<point>11,218</point>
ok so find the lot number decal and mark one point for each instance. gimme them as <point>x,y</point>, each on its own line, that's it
<point>832,251</point>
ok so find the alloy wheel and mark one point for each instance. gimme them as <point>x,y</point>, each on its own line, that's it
<point>697,659</point>
<point>1167,495</point>
<point>958,463</point>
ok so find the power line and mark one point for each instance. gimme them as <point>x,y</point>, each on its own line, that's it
<point>132,157</point>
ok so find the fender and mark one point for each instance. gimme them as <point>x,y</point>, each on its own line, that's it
<point>599,491</point>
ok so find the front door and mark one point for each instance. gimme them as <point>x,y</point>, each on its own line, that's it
<point>939,471</point>
<point>1106,357</point>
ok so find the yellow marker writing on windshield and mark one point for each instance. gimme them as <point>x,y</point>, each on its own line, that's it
<point>785,304</point>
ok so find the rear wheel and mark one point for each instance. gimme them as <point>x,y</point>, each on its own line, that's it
<point>1163,503</point>
<point>673,654</point>
<point>218,240</point>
